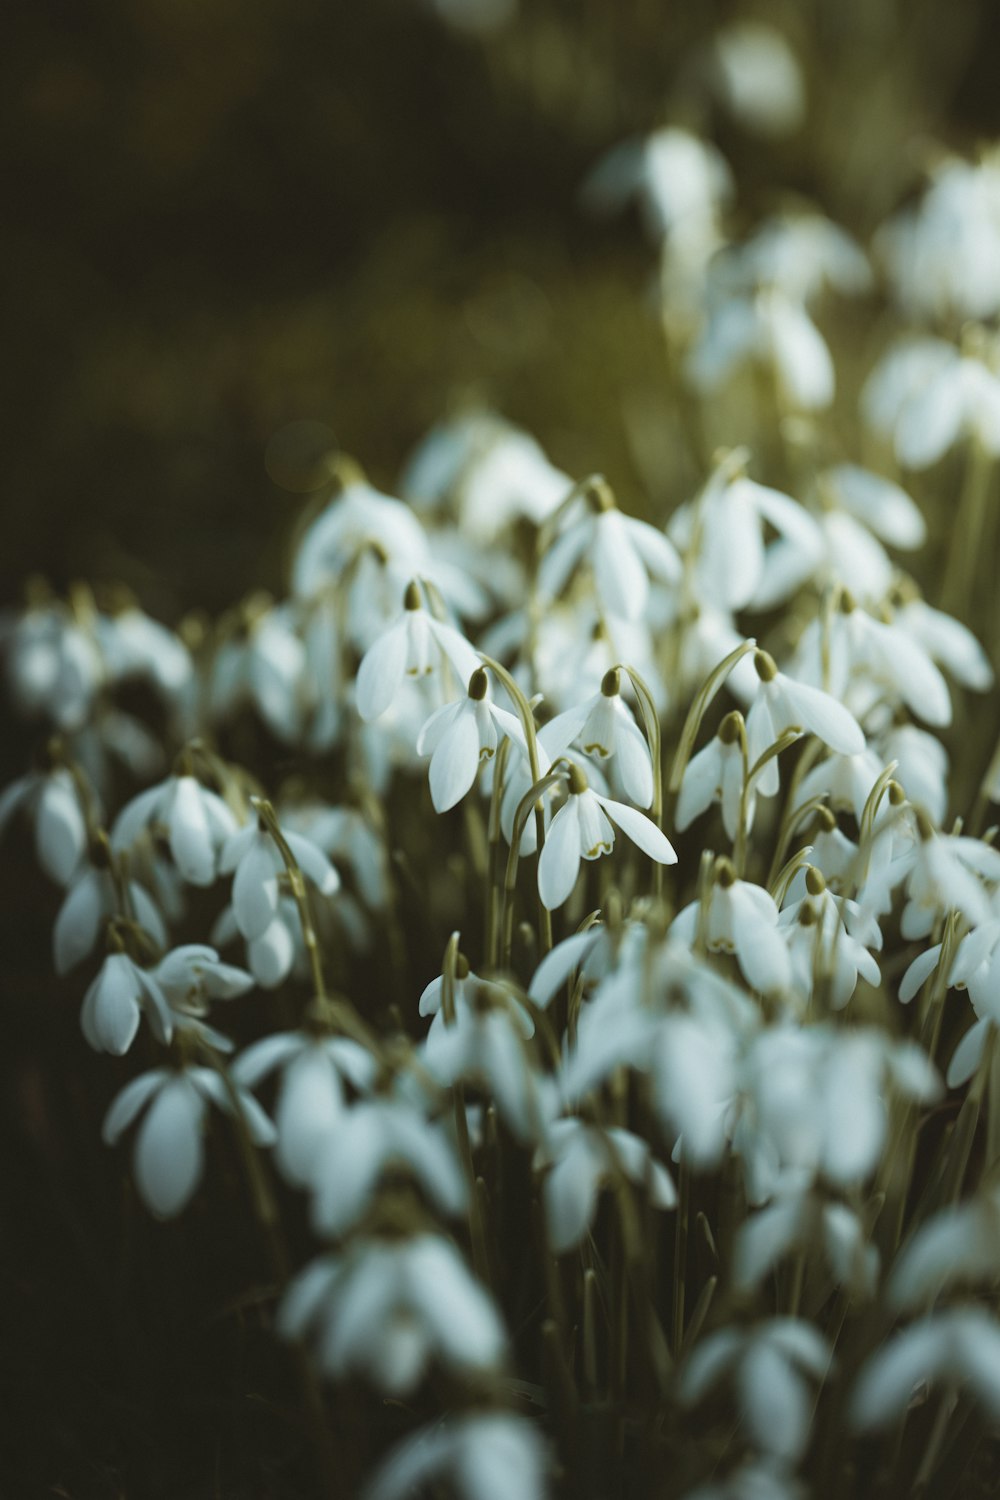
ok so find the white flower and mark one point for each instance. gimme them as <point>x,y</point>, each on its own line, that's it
<point>727,522</point>
<point>956,1245</point>
<point>415,645</point>
<point>715,774</point>
<point>491,471</point>
<point>54,666</point>
<point>485,1043</point>
<point>924,395</point>
<point>460,736</point>
<point>940,873</point>
<point>311,1097</point>
<point>681,182</point>
<point>193,975</point>
<point>742,919</point>
<point>385,1309</point>
<point>483,1456</point>
<point>197,824</point>
<point>346,835</point>
<point>254,860</point>
<point>828,938</point>
<point>621,551</point>
<point>581,830</point>
<point>770,330</point>
<point>580,1159</point>
<point>960,1346</point>
<point>804,1222</point>
<point>604,726</point>
<point>370,1138</point>
<point>169,1155</point>
<point>781,704</point>
<point>770,1364</point>
<point>759,77</point>
<point>115,1002</point>
<point>135,645</point>
<point>52,801</point>
<point>90,901</point>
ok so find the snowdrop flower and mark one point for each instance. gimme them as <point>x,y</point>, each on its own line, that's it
<point>758,78</point>
<point>782,704</point>
<point>460,736</point>
<point>133,645</point>
<point>580,1159</point>
<point>370,1138</point>
<point>830,937</point>
<point>91,900</point>
<point>386,1309</point>
<point>492,472</point>
<point>278,950</point>
<point>169,1155</point>
<point>883,508</point>
<point>311,1096</point>
<point>254,860</point>
<point>193,975</point>
<point>485,1044</point>
<point>948,642</point>
<point>772,1365</point>
<point>681,183</point>
<point>960,1347</point>
<point>803,1222</point>
<point>266,665</point>
<point>925,396</point>
<point>581,830</point>
<point>940,873</point>
<point>958,1245</point>
<point>716,774</point>
<point>772,331</point>
<point>197,824</point>
<point>346,836</point>
<point>54,666</point>
<point>115,1002</point>
<point>621,551</point>
<point>416,644</point>
<point>742,919</point>
<point>604,726</point>
<point>845,780</point>
<point>942,255</point>
<point>53,803</point>
<point>803,254</point>
<point>727,526</point>
<point>483,1456</point>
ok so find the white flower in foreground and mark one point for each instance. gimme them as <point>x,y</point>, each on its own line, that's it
<point>781,704</point>
<point>604,726</point>
<point>581,830</point>
<point>483,1456</point>
<point>715,774</point>
<point>828,939</point>
<point>959,1347</point>
<point>116,1001</point>
<point>581,1159</point>
<point>942,873</point>
<point>415,645</point>
<point>51,800</point>
<point>774,1365</point>
<point>460,736</point>
<point>369,1139</point>
<point>193,975</point>
<point>197,824</point>
<point>742,919</point>
<point>277,952</point>
<point>621,551</point>
<point>169,1154</point>
<point>386,1309</point>
<point>254,860</point>
<point>311,1096</point>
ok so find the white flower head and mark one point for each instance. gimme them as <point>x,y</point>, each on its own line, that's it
<point>52,801</point>
<point>460,736</point>
<point>580,1159</point>
<point>169,1153</point>
<point>416,645</point>
<point>780,705</point>
<point>582,829</point>
<point>488,1455</point>
<point>621,551</point>
<point>253,858</point>
<point>716,774</point>
<point>116,1000</point>
<point>197,824</point>
<point>603,725</point>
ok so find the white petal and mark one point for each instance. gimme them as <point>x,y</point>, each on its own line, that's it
<point>811,709</point>
<point>641,830</point>
<point>622,584</point>
<point>190,838</point>
<point>168,1153</point>
<point>559,861</point>
<point>60,831</point>
<point>313,863</point>
<point>255,889</point>
<point>129,1103</point>
<point>381,671</point>
<point>701,782</point>
<point>455,761</point>
<point>78,921</point>
<point>570,1194</point>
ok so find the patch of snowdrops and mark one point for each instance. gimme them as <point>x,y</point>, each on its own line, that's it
<point>681,1152</point>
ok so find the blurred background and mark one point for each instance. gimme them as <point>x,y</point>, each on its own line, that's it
<point>226,217</point>
<point>229,218</point>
